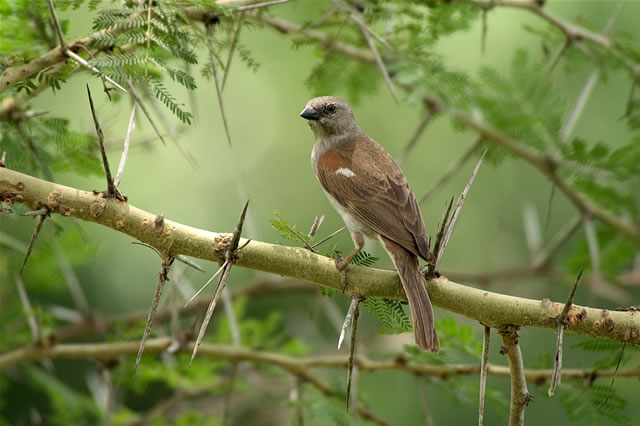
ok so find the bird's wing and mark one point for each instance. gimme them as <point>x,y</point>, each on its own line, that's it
<point>363,177</point>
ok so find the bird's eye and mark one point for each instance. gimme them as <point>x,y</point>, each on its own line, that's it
<point>331,108</point>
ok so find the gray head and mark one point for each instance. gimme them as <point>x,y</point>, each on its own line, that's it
<point>329,116</point>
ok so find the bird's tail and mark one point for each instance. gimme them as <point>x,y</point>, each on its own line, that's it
<point>414,284</point>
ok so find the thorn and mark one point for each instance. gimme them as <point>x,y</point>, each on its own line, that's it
<point>316,224</point>
<point>3,159</point>
<point>561,322</point>
<point>125,150</point>
<point>327,238</point>
<point>232,48</point>
<point>112,191</point>
<point>145,111</point>
<point>347,319</point>
<point>162,278</point>
<point>187,261</point>
<point>216,80</point>
<point>416,136</point>
<point>34,236</point>
<point>456,211</point>
<point>224,265</point>
<point>230,256</point>
<point>351,367</point>
<point>36,334</point>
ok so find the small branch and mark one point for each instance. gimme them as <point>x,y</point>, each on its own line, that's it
<point>561,324</point>
<point>232,48</point>
<point>112,190</point>
<point>372,46</point>
<point>416,136</point>
<point>125,150</point>
<point>483,372</point>
<point>328,237</point>
<point>163,276</point>
<point>453,168</point>
<point>145,111</point>
<point>520,396</point>
<point>216,80</point>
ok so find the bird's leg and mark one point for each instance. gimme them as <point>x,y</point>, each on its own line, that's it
<point>341,264</point>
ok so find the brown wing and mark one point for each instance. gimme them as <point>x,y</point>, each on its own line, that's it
<point>377,192</point>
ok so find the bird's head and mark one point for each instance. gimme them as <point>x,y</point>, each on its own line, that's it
<point>329,116</point>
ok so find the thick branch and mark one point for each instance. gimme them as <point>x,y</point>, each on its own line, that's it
<point>172,238</point>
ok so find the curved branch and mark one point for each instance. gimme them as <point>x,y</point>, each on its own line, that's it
<point>172,238</point>
<point>107,351</point>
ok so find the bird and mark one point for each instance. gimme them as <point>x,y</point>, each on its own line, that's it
<point>368,189</point>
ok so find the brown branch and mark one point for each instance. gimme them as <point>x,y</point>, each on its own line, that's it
<point>520,396</point>
<point>109,351</point>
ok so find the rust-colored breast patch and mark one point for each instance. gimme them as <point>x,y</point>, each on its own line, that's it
<point>330,161</point>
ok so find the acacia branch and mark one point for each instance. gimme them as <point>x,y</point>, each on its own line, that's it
<point>295,365</point>
<point>491,309</point>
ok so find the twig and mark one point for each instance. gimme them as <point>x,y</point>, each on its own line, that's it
<point>232,48</point>
<point>383,69</point>
<point>36,335</point>
<point>483,372</point>
<point>155,104</point>
<point>162,278</point>
<point>456,211</point>
<point>145,111</point>
<point>561,323</point>
<point>416,136</point>
<point>454,167</point>
<point>216,80</point>
<point>328,237</point>
<point>125,150</point>
<point>41,218</point>
<point>258,5</point>
<point>189,262</point>
<point>230,255</point>
<point>615,373</point>
<point>520,396</point>
<point>112,190</point>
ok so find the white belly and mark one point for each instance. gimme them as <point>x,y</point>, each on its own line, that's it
<point>352,222</point>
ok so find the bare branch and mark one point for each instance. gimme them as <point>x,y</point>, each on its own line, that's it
<point>483,372</point>
<point>520,396</point>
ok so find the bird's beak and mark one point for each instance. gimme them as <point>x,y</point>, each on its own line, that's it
<point>310,113</point>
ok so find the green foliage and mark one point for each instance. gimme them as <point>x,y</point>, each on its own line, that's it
<point>390,313</point>
<point>593,404</point>
<point>288,231</point>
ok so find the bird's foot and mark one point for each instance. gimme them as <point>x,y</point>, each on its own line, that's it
<point>341,264</point>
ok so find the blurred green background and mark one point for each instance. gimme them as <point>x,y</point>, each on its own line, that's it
<point>269,163</point>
